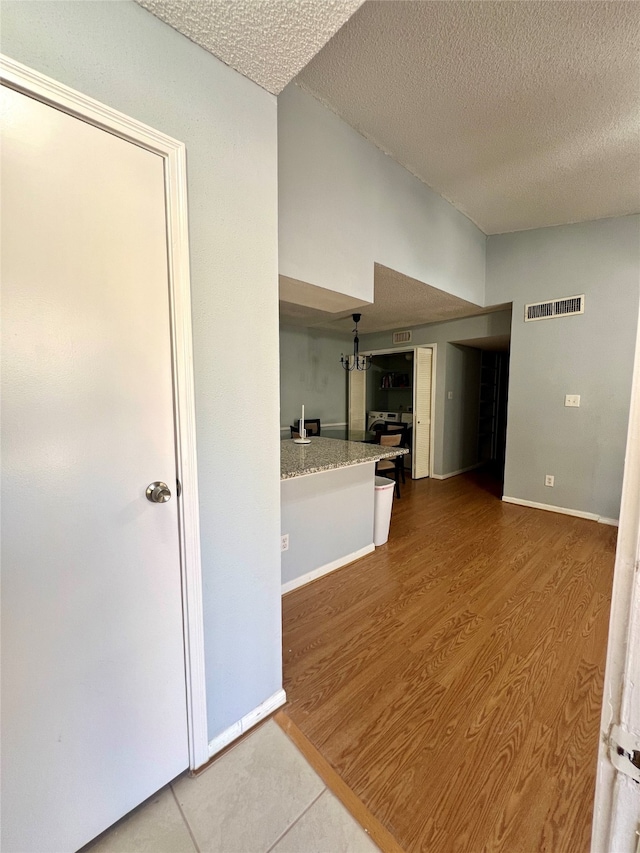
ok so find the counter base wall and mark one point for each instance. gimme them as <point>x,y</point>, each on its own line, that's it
<point>329,519</point>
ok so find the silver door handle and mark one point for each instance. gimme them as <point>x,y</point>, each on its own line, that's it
<point>158,492</point>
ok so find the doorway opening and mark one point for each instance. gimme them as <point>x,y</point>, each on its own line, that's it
<point>492,412</point>
<point>403,381</point>
<point>389,396</point>
<point>479,377</point>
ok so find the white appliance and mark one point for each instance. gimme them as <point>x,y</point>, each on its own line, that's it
<point>379,418</point>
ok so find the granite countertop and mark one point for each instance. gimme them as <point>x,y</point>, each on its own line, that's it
<point>327,454</point>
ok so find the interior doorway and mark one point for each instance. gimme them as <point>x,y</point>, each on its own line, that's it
<point>479,377</point>
<point>403,382</point>
<point>390,383</point>
<point>492,412</point>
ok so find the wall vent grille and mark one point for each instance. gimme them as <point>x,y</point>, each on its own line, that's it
<point>401,337</point>
<point>564,307</point>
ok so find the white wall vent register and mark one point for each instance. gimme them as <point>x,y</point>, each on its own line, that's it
<point>401,337</point>
<point>564,307</point>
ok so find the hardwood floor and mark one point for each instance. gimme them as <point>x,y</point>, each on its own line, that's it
<point>453,678</point>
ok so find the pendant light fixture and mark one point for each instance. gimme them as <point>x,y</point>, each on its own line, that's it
<point>356,361</point>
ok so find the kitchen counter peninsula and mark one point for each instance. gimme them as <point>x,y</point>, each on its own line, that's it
<point>328,454</point>
<point>327,505</point>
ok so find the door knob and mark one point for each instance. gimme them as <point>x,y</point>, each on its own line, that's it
<point>158,492</point>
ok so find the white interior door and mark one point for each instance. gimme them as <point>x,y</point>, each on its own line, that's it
<point>616,814</point>
<point>357,398</point>
<point>421,451</point>
<point>93,675</point>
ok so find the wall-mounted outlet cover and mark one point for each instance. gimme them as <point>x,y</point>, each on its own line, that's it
<point>572,400</point>
<point>549,479</point>
<point>450,395</point>
<point>284,542</point>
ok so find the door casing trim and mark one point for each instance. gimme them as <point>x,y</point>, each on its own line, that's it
<point>434,363</point>
<point>36,85</point>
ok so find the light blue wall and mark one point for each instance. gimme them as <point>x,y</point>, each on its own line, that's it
<point>589,354</point>
<point>314,509</point>
<point>460,446</point>
<point>343,205</point>
<point>311,373</point>
<point>120,54</point>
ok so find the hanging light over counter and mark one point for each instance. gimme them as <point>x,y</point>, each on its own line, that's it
<point>356,361</point>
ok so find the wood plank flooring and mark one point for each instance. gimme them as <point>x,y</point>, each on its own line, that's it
<point>453,678</point>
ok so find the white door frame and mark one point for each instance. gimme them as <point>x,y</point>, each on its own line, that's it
<point>29,82</point>
<point>434,359</point>
<point>617,807</point>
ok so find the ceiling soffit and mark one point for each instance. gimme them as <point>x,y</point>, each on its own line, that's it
<point>400,302</point>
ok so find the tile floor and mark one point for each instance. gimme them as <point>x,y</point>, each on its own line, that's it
<point>260,797</point>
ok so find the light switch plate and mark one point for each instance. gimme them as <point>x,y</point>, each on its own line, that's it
<point>572,400</point>
<point>450,395</point>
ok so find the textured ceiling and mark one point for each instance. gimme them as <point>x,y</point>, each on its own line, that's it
<point>399,302</point>
<point>522,114</point>
<point>268,41</point>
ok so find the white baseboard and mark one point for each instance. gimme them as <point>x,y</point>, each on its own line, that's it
<point>248,721</point>
<point>577,513</point>
<point>455,473</point>
<point>328,567</point>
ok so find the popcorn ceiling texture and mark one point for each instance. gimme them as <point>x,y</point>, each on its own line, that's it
<point>522,114</point>
<point>268,41</point>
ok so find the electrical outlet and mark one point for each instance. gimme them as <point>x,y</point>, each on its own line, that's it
<point>572,400</point>
<point>549,480</point>
<point>284,542</point>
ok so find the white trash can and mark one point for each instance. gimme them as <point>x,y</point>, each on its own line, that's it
<point>382,506</point>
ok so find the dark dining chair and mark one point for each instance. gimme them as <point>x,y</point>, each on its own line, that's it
<point>401,429</point>
<point>312,426</point>
<point>385,467</point>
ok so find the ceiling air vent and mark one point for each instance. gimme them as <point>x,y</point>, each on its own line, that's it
<point>401,337</point>
<point>564,307</point>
